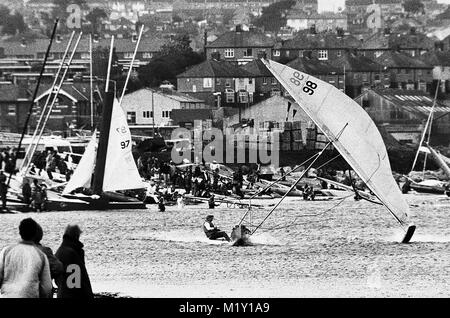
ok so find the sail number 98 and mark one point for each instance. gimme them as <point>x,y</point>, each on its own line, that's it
<point>309,86</point>
<point>124,144</point>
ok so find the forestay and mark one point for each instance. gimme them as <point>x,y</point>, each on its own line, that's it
<point>352,131</point>
<point>121,172</point>
<point>82,175</point>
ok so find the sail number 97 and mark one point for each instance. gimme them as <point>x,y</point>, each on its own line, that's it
<point>309,86</point>
<point>124,144</point>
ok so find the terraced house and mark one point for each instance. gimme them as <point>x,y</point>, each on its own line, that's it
<point>218,83</point>
<point>241,46</point>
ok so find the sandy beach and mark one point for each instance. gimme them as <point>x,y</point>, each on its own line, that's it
<point>305,249</point>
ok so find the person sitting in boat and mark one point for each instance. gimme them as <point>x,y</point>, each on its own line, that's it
<point>211,231</point>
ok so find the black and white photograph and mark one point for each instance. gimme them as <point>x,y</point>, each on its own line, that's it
<point>200,150</point>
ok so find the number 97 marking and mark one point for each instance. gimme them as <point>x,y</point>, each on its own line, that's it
<point>124,144</point>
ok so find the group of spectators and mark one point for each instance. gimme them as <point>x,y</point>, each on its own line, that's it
<point>29,269</point>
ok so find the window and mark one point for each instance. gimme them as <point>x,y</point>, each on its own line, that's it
<point>147,55</point>
<point>12,110</point>
<point>229,53</point>
<point>250,81</point>
<point>274,81</point>
<point>378,53</point>
<point>128,55</point>
<point>166,113</point>
<point>227,83</point>
<point>248,53</point>
<point>264,80</point>
<point>276,53</point>
<point>207,82</point>
<point>419,72</point>
<point>147,114</point>
<point>322,55</point>
<point>243,97</point>
<point>131,117</point>
<point>364,77</point>
<point>85,56</point>
<point>339,53</point>
<point>229,96</point>
<point>217,81</point>
<point>300,53</point>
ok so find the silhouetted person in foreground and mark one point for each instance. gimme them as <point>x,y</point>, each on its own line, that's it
<point>74,283</point>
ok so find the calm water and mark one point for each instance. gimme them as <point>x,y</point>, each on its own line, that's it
<point>305,249</point>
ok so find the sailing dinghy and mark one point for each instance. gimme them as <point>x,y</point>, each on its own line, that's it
<point>119,172</point>
<point>352,132</point>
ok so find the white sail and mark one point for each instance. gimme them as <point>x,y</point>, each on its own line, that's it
<point>121,172</point>
<point>82,175</point>
<point>351,130</point>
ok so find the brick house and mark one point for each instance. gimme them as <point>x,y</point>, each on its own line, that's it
<point>441,68</point>
<point>323,46</point>
<point>406,72</point>
<point>266,84</point>
<point>360,72</point>
<point>240,46</point>
<point>218,83</point>
<point>14,106</point>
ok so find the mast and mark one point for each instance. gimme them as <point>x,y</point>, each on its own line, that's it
<point>32,148</point>
<point>36,89</point>
<point>430,116</point>
<point>105,126</point>
<point>131,65</point>
<point>91,84</point>
<point>55,97</point>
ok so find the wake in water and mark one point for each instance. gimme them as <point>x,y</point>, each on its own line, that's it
<point>187,236</point>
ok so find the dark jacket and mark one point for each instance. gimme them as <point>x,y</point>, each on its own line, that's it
<point>71,252</point>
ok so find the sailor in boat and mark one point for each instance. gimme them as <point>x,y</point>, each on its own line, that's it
<point>211,231</point>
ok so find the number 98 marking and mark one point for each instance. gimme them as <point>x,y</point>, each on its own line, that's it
<point>309,87</point>
<point>297,78</point>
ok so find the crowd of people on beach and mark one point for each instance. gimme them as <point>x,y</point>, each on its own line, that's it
<point>164,178</point>
<point>29,269</point>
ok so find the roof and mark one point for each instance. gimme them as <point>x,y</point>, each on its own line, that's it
<point>147,44</point>
<point>257,68</point>
<point>321,41</point>
<point>314,66</point>
<point>356,63</point>
<point>242,39</point>
<point>189,115</point>
<point>400,60</point>
<point>172,94</point>
<point>211,68</point>
<point>436,58</point>
<point>413,101</point>
<point>300,14</point>
<point>380,40</point>
<point>11,92</point>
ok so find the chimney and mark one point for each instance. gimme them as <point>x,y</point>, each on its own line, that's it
<point>134,38</point>
<point>215,56</point>
<point>238,28</point>
<point>95,38</point>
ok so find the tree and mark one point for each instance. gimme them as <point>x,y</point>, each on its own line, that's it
<point>13,24</point>
<point>413,6</point>
<point>95,18</point>
<point>273,17</point>
<point>173,59</point>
